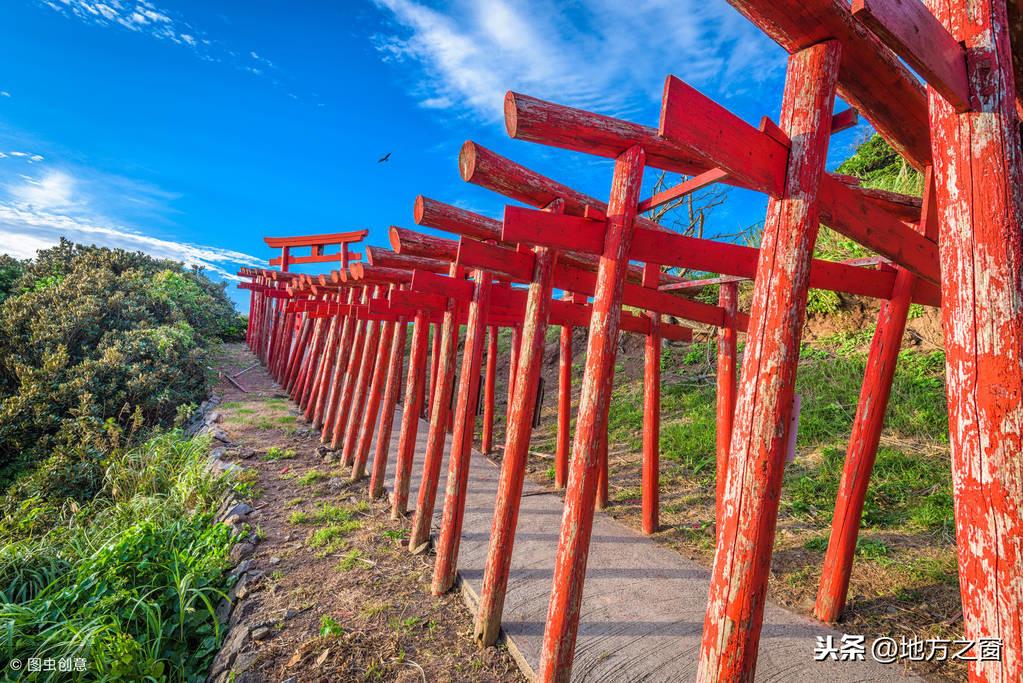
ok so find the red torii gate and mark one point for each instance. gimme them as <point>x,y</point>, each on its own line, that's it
<point>316,244</point>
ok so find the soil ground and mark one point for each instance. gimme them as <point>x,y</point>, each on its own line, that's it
<point>340,598</point>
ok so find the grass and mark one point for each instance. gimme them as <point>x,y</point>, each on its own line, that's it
<point>311,477</point>
<point>275,453</point>
<point>910,491</point>
<point>129,580</point>
<point>351,560</point>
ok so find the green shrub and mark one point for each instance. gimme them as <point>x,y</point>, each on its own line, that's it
<point>92,341</point>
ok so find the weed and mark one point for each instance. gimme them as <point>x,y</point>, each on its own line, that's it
<point>349,561</point>
<point>275,453</point>
<point>329,627</point>
<point>311,477</point>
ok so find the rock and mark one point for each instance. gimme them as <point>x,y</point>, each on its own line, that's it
<point>291,613</point>
<point>246,453</point>
<point>335,483</point>
<point>240,568</point>
<point>240,510</point>
<point>236,639</point>
<point>220,435</point>
<point>212,417</point>
<point>225,466</point>
<point>261,633</point>
<point>274,560</point>
<point>218,453</point>
<point>240,551</point>
<point>302,431</point>
<point>242,663</point>
<point>223,611</point>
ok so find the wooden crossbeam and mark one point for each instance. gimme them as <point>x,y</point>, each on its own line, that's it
<point>315,258</point>
<point>871,78</point>
<point>314,240</point>
<point>912,32</point>
<point>686,187</point>
<point>672,249</point>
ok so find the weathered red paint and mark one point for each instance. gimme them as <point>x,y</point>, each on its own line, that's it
<point>742,561</point>
<point>651,425</point>
<point>862,450</point>
<point>577,522</point>
<point>564,407</point>
<point>412,407</point>
<point>434,364</point>
<point>513,370</point>
<point>978,171</point>
<point>461,443</point>
<point>373,397</point>
<point>728,300</point>
<point>333,428</point>
<point>526,371</point>
<point>489,393</point>
<point>390,402</point>
<point>339,369</point>
<point>346,432</point>
<point>440,406</point>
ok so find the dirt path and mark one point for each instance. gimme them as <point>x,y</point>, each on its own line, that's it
<point>337,597</point>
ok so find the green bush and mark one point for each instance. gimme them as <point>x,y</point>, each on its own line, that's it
<point>128,581</point>
<point>92,341</point>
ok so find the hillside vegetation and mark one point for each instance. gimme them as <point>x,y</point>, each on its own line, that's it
<point>111,562</point>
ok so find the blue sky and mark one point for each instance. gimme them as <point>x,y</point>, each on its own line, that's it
<point>192,129</point>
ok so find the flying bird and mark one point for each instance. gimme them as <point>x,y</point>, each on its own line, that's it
<point>384,158</point>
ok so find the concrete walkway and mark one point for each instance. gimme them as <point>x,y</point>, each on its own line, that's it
<point>643,604</point>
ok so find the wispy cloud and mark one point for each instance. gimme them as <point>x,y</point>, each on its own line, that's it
<point>35,212</point>
<point>148,18</point>
<point>140,16</point>
<point>598,54</point>
<point>4,93</point>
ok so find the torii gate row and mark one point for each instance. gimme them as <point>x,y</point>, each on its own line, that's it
<point>525,185</point>
<point>446,249</point>
<point>735,608</point>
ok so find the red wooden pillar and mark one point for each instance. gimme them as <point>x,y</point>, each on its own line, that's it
<point>311,361</point>
<point>434,363</point>
<point>728,300</point>
<point>411,410</point>
<point>516,447</point>
<point>298,352</point>
<point>323,370</point>
<point>440,407</point>
<point>393,388</point>
<point>513,370</point>
<point>603,493</point>
<point>347,429</point>
<point>335,358</point>
<point>332,429</point>
<point>978,184</point>
<point>735,608</point>
<point>461,442</point>
<point>489,393</point>
<point>373,397</point>
<point>564,407</point>
<point>859,457</point>
<point>601,347</point>
<point>344,352</point>
<point>651,425</point>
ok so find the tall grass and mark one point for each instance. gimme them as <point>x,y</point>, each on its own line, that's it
<point>129,581</point>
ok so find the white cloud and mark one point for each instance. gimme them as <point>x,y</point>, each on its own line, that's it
<point>37,212</point>
<point>140,16</point>
<point>604,55</point>
<point>4,93</point>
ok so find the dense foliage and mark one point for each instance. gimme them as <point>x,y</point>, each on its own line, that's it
<point>127,583</point>
<point>95,343</point>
